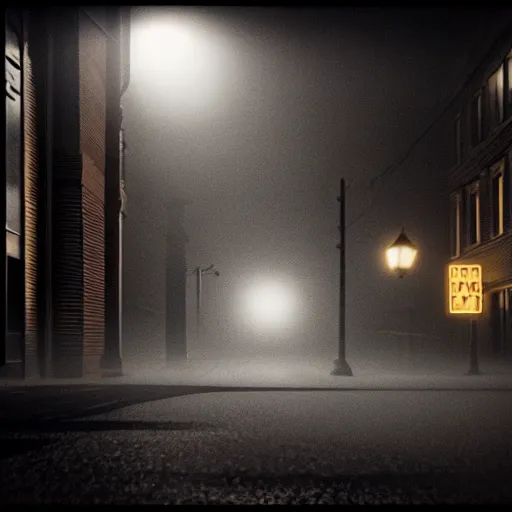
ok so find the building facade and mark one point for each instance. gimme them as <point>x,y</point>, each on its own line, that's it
<point>481,192</point>
<point>66,69</point>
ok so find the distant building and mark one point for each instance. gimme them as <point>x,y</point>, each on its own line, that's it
<point>66,69</point>
<point>481,192</point>
<point>154,269</point>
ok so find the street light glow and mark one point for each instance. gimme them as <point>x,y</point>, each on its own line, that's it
<point>271,305</point>
<point>401,255</point>
<point>177,58</point>
<point>166,50</point>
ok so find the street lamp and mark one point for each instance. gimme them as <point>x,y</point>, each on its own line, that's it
<point>401,255</point>
<point>200,272</point>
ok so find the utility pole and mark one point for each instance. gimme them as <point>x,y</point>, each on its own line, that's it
<point>341,367</point>
<point>199,272</point>
<point>199,291</point>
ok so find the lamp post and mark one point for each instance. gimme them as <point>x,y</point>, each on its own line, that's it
<point>199,272</point>
<point>401,256</point>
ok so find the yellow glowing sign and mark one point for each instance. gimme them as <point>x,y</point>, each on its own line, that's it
<point>465,289</point>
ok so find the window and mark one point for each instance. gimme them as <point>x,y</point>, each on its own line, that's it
<point>473,214</point>
<point>509,67</point>
<point>495,98</point>
<point>458,140</point>
<point>476,120</point>
<point>497,198</point>
<point>455,206</point>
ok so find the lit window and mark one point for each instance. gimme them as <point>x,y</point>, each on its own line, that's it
<point>476,119</point>
<point>497,198</point>
<point>495,98</point>
<point>455,214</point>
<point>473,214</point>
<point>458,140</point>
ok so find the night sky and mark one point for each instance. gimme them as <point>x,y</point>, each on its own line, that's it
<point>270,108</point>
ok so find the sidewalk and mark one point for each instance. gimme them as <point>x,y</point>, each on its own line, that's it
<point>299,374</point>
<point>316,374</point>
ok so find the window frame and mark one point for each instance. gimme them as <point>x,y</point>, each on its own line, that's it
<point>458,139</point>
<point>478,98</point>
<point>473,188</point>
<point>498,169</point>
<point>508,67</point>
<point>494,123</point>
<point>456,224</point>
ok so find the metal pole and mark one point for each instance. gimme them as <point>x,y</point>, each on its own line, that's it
<point>410,351</point>
<point>120,285</point>
<point>198,300</point>
<point>341,366</point>
<point>473,348</point>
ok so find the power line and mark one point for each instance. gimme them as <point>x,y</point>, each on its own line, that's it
<point>390,169</point>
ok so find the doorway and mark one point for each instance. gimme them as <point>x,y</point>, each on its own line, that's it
<point>501,323</point>
<point>15,299</point>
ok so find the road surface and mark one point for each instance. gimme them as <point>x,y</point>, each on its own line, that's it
<point>183,445</point>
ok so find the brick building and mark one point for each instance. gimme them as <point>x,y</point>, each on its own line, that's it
<point>481,191</point>
<point>66,70</point>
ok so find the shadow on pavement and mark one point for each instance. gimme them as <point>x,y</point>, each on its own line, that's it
<point>41,427</point>
<point>11,447</point>
<point>42,403</point>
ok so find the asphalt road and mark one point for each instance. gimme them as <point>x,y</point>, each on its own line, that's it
<point>144,444</point>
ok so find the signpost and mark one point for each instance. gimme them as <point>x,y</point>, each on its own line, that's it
<point>465,297</point>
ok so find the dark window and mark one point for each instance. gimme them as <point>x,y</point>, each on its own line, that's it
<point>13,129</point>
<point>455,224</point>
<point>495,98</point>
<point>476,120</point>
<point>473,215</point>
<point>458,140</point>
<point>497,199</point>
<point>509,66</point>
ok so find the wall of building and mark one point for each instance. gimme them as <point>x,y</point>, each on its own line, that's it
<point>69,129</point>
<point>93,74</point>
<point>31,195</point>
<point>474,167</point>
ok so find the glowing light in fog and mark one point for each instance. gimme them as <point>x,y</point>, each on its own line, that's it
<point>401,255</point>
<point>165,48</point>
<point>177,58</point>
<point>271,304</point>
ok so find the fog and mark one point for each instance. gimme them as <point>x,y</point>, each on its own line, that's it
<point>252,116</point>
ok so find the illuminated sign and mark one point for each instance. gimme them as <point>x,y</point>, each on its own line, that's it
<point>465,289</point>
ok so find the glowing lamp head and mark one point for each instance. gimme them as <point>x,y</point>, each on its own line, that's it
<point>401,255</point>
